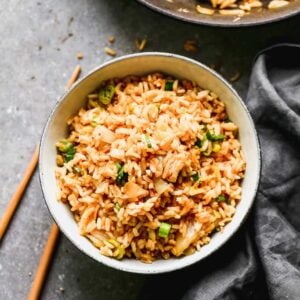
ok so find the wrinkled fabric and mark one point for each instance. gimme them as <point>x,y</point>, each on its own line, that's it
<point>262,261</point>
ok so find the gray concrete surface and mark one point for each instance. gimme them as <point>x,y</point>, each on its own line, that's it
<point>39,42</point>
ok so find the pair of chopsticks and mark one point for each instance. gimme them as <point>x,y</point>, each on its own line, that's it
<point>13,204</point>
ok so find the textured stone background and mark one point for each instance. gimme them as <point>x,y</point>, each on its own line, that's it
<point>38,47</point>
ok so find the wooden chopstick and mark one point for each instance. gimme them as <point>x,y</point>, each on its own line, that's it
<point>41,272</point>
<point>44,263</point>
<point>17,196</point>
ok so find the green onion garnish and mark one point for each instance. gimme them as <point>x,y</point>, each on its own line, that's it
<point>121,252</point>
<point>222,198</point>
<point>67,149</point>
<point>195,176</point>
<point>207,152</point>
<point>119,247</point>
<point>118,165</point>
<point>122,177</point>
<point>106,94</point>
<point>69,155</point>
<point>64,146</point>
<point>227,120</point>
<point>117,206</point>
<point>148,141</point>
<point>164,230</point>
<point>203,127</point>
<point>200,143</point>
<point>169,86</point>
<point>216,147</point>
<point>214,137</point>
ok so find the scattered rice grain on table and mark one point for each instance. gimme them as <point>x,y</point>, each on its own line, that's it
<point>151,168</point>
<point>235,77</point>
<point>141,44</point>
<point>79,55</point>
<point>111,39</point>
<point>110,51</point>
<point>190,46</point>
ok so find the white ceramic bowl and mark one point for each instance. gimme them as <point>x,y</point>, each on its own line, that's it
<point>138,64</point>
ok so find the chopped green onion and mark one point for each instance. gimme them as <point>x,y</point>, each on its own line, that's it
<point>122,177</point>
<point>216,147</point>
<point>94,123</point>
<point>118,165</point>
<point>164,230</point>
<point>227,120</point>
<point>67,149</point>
<point>119,247</point>
<point>64,146</point>
<point>117,206</point>
<point>222,198</point>
<point>106,94</point>
<point>196,176</point>
<point>121,252</point>
<point>214,137</point>
<point>70,153</point>
<point>69,156</point>
<point>203,127</point>
<point>207,152</point>
<point>169,86</point>
<point>198,143</point>
<point>148,141</point>
<point>114,242</point>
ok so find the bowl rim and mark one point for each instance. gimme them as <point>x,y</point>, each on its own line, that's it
<point>172,267</point>
<point>216,23</point>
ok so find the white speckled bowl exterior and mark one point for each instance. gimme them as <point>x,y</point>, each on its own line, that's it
<point>139,64</point>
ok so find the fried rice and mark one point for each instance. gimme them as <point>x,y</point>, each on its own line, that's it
<point>154,170</point>
<point>237,7</point>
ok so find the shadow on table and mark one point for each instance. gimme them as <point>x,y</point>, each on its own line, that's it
<point>76,276</point>
<point>233,272</point>
<point>130,20</point>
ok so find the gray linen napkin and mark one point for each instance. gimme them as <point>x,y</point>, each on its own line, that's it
<point>262,261</point>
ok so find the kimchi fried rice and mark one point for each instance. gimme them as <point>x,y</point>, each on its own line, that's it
<point>151,168</point>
